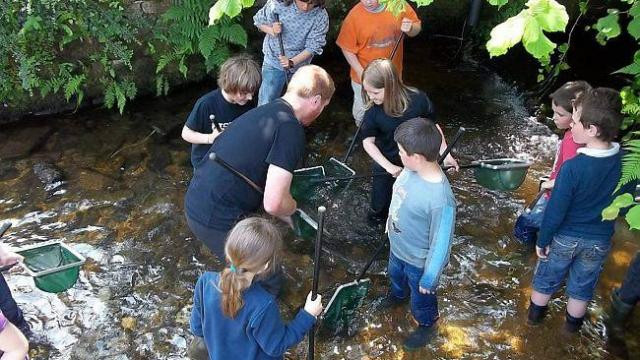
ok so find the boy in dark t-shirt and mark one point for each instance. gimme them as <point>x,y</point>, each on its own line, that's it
<point>238,81</point>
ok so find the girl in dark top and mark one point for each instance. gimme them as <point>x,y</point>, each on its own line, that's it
<point>388,103</point>
<point>233,314</point>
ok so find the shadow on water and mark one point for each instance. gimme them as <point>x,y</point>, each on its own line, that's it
<point>119,203</point>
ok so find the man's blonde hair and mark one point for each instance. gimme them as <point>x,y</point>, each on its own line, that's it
<point>311,80</point>
<point>239,74</point>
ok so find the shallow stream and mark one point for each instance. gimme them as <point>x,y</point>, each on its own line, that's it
<point>119,203</point>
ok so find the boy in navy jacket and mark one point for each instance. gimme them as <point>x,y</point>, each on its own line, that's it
<point>574,241</point>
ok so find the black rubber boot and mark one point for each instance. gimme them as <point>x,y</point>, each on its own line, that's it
<point>419,337</point>
<point>390,302</point>
<point>536,313</point>
<point>572,324</point>
<point>618,314</point>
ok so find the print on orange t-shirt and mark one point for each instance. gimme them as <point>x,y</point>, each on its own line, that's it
<point>373,35</point>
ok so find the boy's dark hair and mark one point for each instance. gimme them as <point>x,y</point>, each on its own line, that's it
<point>419,136</point>
<point>568,92</point>
<point>601,108</point>
<point>239,74</point>
<point>315,3</point>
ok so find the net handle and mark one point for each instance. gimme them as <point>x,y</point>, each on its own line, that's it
<point>5,227</point>
<point>282,53</point>
<point>316,276</point>
<point>453,143</point>
<point>383,242</point>
<point>213,156</point>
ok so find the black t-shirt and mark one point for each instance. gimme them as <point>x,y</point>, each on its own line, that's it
<point>269,134</point>
<point>382,126</point>
<point>212,103</point>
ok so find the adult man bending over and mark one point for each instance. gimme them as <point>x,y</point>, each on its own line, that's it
<point>266,144</point>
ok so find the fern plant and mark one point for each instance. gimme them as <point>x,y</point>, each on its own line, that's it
<point>183,32</point>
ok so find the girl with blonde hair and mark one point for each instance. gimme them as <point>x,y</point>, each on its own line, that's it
<point>233,314</point>
<point>388,103</point>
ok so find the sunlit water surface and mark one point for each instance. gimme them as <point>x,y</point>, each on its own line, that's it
<point>120,205</point>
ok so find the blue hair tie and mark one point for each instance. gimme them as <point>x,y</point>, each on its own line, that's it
<point>232,268</point>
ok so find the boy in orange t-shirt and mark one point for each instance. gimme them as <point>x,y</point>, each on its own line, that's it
<point>370,32</point>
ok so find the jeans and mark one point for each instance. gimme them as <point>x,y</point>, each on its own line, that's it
<point>358,105</point>
<point>405,279</point>
<point>273,81</point>
<point>581,259</point>
<point>630,290</point>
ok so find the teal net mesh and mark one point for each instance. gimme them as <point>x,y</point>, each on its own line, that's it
<point>305,185</point>
<point>344,304</point>
<point>303,228</point>
<point>51,257</point>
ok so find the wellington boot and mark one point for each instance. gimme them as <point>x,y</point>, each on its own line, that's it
<point>618,314</point>
<point>536,314</point>
<point>572,324</point>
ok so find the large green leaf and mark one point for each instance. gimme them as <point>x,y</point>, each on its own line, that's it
<point>535,41</point>
<point>608,26</point>
<point>506,35</point>
<point>633,217</point>
<point>550,15</point>
<point>231,8</point>
<point>610,212</point>
<point>622,201</point>
<point>497,2</point>
<point>631,69</point>
<point>634,28</point>
<point>426,2</point>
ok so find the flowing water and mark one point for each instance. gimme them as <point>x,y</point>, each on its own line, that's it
<point>119,203</point>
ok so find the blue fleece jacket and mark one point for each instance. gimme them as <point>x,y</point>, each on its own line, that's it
<point>256,332</point>
<point>583,188</point>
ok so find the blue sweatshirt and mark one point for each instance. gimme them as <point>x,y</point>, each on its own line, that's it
<point>421,221</point>
<point>583,188</point>
<point>256,332</point>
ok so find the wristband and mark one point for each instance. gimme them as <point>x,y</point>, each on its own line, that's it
<point>291,64</point>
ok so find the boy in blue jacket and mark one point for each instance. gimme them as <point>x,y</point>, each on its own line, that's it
<point>574,241</point>
<point>420,226</point>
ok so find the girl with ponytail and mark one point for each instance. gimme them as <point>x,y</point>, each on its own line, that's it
<point>233,314</point>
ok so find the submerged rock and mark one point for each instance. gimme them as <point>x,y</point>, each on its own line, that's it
<point>50,176</point>
<point>23,143</point>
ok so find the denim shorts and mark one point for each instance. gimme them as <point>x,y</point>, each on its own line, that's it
<point>579,261</point>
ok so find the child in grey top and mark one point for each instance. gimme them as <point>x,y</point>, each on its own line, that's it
<point>303,26</point>
<point>420,226</point>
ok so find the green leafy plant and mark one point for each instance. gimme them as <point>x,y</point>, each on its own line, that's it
<point>71,47</point>
<point>184,32</point>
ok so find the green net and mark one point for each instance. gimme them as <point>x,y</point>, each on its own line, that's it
<point>304,185</point>
<point>303,226</point>
<point>343,305</point>
<point>501,174</point>
<point>45,260</point>
<point>336,168</point>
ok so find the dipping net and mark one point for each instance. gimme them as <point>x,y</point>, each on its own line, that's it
<point>342,307</point>
<point>46,259</point>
